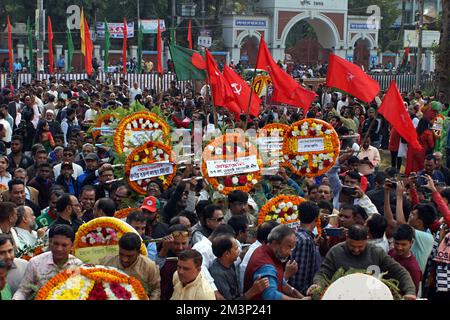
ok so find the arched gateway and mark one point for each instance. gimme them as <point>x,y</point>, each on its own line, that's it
<point>334,30</point>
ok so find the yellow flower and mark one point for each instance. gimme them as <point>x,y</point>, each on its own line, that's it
<point>273,209</point>
<point>249,177</point>
<point>285,209</point>
<point>282,220</point>
<point>136,157</point>
<point>295,128</point>
<point>267,218</point>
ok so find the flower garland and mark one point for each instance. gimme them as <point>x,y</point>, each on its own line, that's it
<point>151,152</point>
<point>311,147</point>
<point>272,130</point>
<point>101,232</point>
<point>92,283</point>
<point>126,138</point>
<point>123,213</point>
<point>106,119</point>
<point>438,125</point>
<point>282,209</point>
<point>29,252</point>
<point>231,145</point>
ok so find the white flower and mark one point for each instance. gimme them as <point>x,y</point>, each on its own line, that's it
<point>156,125</point>
<point>294,207</point>
<point>91,240</point>
<point>279,220</point>
<point>150,126</point>
<point>328,131</point>
<point>254,181</point>
<point>235,180</point>
<point>160,151</point>
<point>210,148</point>
<point>294,216</point>
<point>289,204</point>
<point>99,229</point>
<point>318,127</point>
<point>166,157</point>
<point>286,157</point>
<point>218,151</point>
<point>83,239</point>
<point>282,205</point>
<point>294,133</point>
<point>141,121</point>
<point>220,187</point>
<point>288,217</point>
<point>129,126</point>
<point>308,170</point>
<point>134,123</point>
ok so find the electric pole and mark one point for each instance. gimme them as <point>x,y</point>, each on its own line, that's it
<point>419,45</point>
<point>40,35</point>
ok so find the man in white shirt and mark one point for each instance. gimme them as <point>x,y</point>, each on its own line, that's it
<point>68,156</point>
<point>6,124</point>
<point>342,103</point>
<point>134,91</point>
<point>25,225</point>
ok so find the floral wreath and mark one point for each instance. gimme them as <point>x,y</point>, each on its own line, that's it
<point>273,130</point>
<point>123,213</point>
<point>103,231</point>
<point>104,120</point>
<point>311,163</point>
<point>92,283</point>
<point>29,252</point>
<point>218,150</point>
<point>140,121</point>
<point>151,152</point>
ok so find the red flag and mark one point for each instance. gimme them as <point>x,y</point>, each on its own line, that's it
<point>88,47</point>
<point>221,92</point>
<point>189,37</point>
<point>124,47</point>
<point>393,110</point>
<point>350,78</point>
<point>159,67</point>
<point>50,45</point>
<point>286,89</point>
<point>242,91</point>
<point>10,48</point>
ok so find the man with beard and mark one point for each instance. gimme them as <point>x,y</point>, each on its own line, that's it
<point>17,158</point>
<point>49,214</point>
<point>25,228</point>
<point>267,262</point>
<point>154,229</point>
<point>16,267</point>
<point>356,253</point>
<point>43,183</point>
<point>69,210</point>
<point>172,245</point>
<point>17,195</point>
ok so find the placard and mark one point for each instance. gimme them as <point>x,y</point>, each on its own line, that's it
<point>150,170</point>
<point>220,168</point>
<point>106,131</point>
<point>93,255</point>
<point>270,143</point>
<point>141,137</point>
<point>151,26</point>
<point>311,145</point>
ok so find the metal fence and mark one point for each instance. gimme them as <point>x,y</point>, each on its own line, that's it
<point>406,82</point>
<point>145,80</point>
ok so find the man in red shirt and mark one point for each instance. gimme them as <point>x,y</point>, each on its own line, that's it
<point>403,240</point>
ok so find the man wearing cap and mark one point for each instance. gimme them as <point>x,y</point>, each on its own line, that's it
<point>66,180</point>
<point>150,208</point>
<point>54,126</point>
<point>89,177</point>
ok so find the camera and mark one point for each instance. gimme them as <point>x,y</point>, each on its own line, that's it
<point>349,191</point>
<point>391,183</point>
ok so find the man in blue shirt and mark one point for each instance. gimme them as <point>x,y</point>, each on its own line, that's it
<point>430,169</point>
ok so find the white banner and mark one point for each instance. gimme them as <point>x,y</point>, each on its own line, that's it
<point>220,168</point>
<point>270,143</point>
<point>429,37</point>
<point>151,26</point>
<point>310,144</point>
<point>115,30</point>
<point>151,170</point>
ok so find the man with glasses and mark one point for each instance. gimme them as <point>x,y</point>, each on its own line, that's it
<point>103,187</point>
<point>68,156</point>
<point>69,211</point>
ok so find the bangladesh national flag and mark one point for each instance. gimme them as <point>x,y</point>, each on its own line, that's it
<point>189,64</point>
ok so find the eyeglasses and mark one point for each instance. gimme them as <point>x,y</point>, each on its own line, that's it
<point>176,234</point>
<point>217,219</point>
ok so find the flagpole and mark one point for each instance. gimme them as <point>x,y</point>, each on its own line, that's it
<point>208,84</point>
<point>368,131</point>
<point>251,87</point>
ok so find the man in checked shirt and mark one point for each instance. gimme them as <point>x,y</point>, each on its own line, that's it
<point>306,252</point>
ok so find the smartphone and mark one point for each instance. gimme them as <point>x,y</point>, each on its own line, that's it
<point>348,190</point>
<point>392,183</point>
<point>334,232</point>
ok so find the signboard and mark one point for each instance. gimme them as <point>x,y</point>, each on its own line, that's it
<point>151,26</point>
<point>250,23</point>
<point>93,255</point>
<point>311,145</point>
<point>115,30</point>
<point>150,170</point>
<point>411,38</point>
<point>204,41</point>
<point>138,138</point>
<point>363,26</point>
<point>220,168</point>
<point>270,143</point>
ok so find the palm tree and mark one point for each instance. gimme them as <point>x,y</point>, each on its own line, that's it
<point>443,61</point>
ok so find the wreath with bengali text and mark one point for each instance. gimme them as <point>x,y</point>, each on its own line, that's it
<point>126,137</point>
<point>311,147</point>
<point>149,153</point>
<point>231,146</point>
<point>105,120</point>
<point>273,130</point>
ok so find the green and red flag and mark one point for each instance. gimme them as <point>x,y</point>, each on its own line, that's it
<point>189,64</point>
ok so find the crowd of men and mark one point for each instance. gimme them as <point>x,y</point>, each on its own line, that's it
<point>54,177</point>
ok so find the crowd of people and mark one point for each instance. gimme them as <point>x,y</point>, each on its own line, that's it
<point>55,176</point>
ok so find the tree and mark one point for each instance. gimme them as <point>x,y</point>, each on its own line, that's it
<point>443,58</point>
